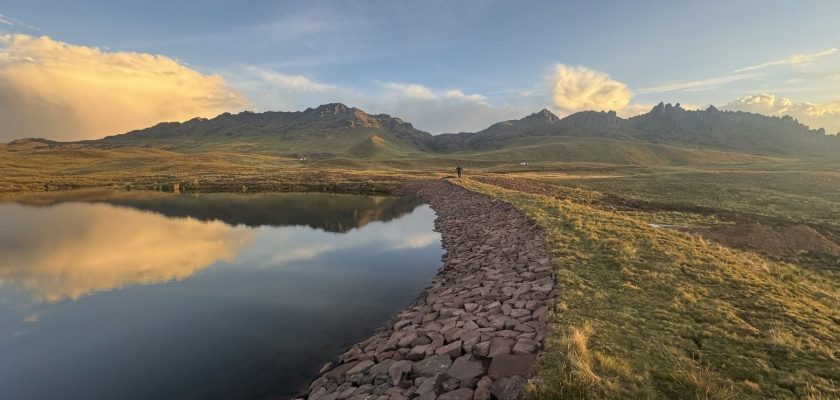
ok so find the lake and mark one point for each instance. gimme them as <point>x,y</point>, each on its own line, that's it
<point>133,295</point>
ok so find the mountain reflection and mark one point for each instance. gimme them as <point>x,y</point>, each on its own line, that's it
<point>70,250</point>
<point>330,212</point>
<point>83,244</point>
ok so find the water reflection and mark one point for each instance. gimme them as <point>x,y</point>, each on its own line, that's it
<point>217,296</point>
<point>69,250</point>
<point>330,212</point>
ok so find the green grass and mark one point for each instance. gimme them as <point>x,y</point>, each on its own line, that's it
<point>613,151</point>
<point>646,313</point>
<point>799,192</point>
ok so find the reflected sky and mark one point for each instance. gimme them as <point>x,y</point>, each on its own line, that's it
<point>106,301</point>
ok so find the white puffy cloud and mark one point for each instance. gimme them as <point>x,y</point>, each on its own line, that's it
<point>438,111</point>
<point>580,88</point>
<point>814,115</point>
<point>432,110</point>
<point>66,92</point>
<point>289,82</point>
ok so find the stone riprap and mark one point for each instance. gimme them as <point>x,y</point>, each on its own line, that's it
<point>475,333</point>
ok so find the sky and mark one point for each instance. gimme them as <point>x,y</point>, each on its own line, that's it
<point>86,69</point>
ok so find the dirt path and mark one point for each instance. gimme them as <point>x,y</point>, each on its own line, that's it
<point>475,333</point>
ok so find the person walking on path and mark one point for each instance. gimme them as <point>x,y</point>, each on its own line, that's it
<point>458,170</point>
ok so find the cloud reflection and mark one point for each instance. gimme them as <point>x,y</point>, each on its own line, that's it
<point>70,250</point>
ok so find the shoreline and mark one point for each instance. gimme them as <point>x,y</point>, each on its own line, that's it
<point>476,331</point>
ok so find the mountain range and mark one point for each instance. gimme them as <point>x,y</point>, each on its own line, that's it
<point>668,132</point>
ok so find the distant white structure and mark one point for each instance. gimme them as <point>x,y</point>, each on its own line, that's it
<point>523,163</point>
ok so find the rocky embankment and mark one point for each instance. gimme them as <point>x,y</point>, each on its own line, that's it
<point>475,333</point>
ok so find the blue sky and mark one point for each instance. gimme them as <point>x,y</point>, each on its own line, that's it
<point>450,66</point>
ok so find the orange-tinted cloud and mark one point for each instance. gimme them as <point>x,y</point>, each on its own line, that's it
<point>70,250</point>
<point>66,92</point>
<point>825,115</point>
<point>580,88</point>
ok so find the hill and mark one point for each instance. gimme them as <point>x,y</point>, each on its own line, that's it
<point>335,133</point>
<point>328,131</point>
<point>665,124</point>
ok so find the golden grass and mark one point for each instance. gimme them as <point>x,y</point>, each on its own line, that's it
<point>653,313</point>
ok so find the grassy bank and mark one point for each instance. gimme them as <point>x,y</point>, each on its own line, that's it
<point>647,313</point>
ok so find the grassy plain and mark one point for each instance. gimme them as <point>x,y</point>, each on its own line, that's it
<point>647,308</point>
<point>649,313</point>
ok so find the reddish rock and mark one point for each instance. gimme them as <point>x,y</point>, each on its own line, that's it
<point>525,346</point>
<point>466,367</point>
<point>432,365</point>
<point>508,388</point>
<point>458,394</point>
<point>512,364</point>
<point>500,346</point>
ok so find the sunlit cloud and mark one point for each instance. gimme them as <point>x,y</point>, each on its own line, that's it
<point>70,250</point>
<point>289,82</point>
<point>796,59</point>
<point>581,88</point>
<point>435,110</point>
<point>739,74</point>
<point>700,84</point>
<point>65,92</point>
<point>439,111</point>
<point>418,241</point>
<point>825,115</point>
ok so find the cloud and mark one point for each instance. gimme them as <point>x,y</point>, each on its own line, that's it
<point>796,59</point>
<point>700,84</point>
<point>429,109</point>
<point>737,75</point>
<point>66,92</point>
<point>437,111</point>
<point>580,88</point>
<point>9,21</point>
<point>289,82</point>
<point>814,115</point>
<point>75,249</point>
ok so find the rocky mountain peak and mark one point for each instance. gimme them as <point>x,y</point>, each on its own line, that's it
<point>332,109</point>
<point>543,115</point>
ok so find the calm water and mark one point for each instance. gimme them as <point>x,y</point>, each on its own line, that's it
<point>160,296</point>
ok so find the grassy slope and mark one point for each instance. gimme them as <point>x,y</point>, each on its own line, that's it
<point>141,168</point>
<point>355,143</point>
<point>602,150</point>
<point>797,191</point>
<point>654,313</point>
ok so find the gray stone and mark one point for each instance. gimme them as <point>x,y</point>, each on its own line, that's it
<point>482,349</point>
<point>452,349</point>
<point>484,382</point>
<point>449,385</point>
<point>432,365</point>
<point>359,368</point>
<point>512,364</point>
<point>399,370</point>
<point>525,346</point>
<point>431,384</point>
<point>338,372</point>
<point>328,366</point>
<point>317,394</point>
<point>508,388</point>
<point>466,367</point>
<point>418,352</point>
<point>458,394</point>
<point>382,368</point>
<point>481,393</point>
<point>499,346</point>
